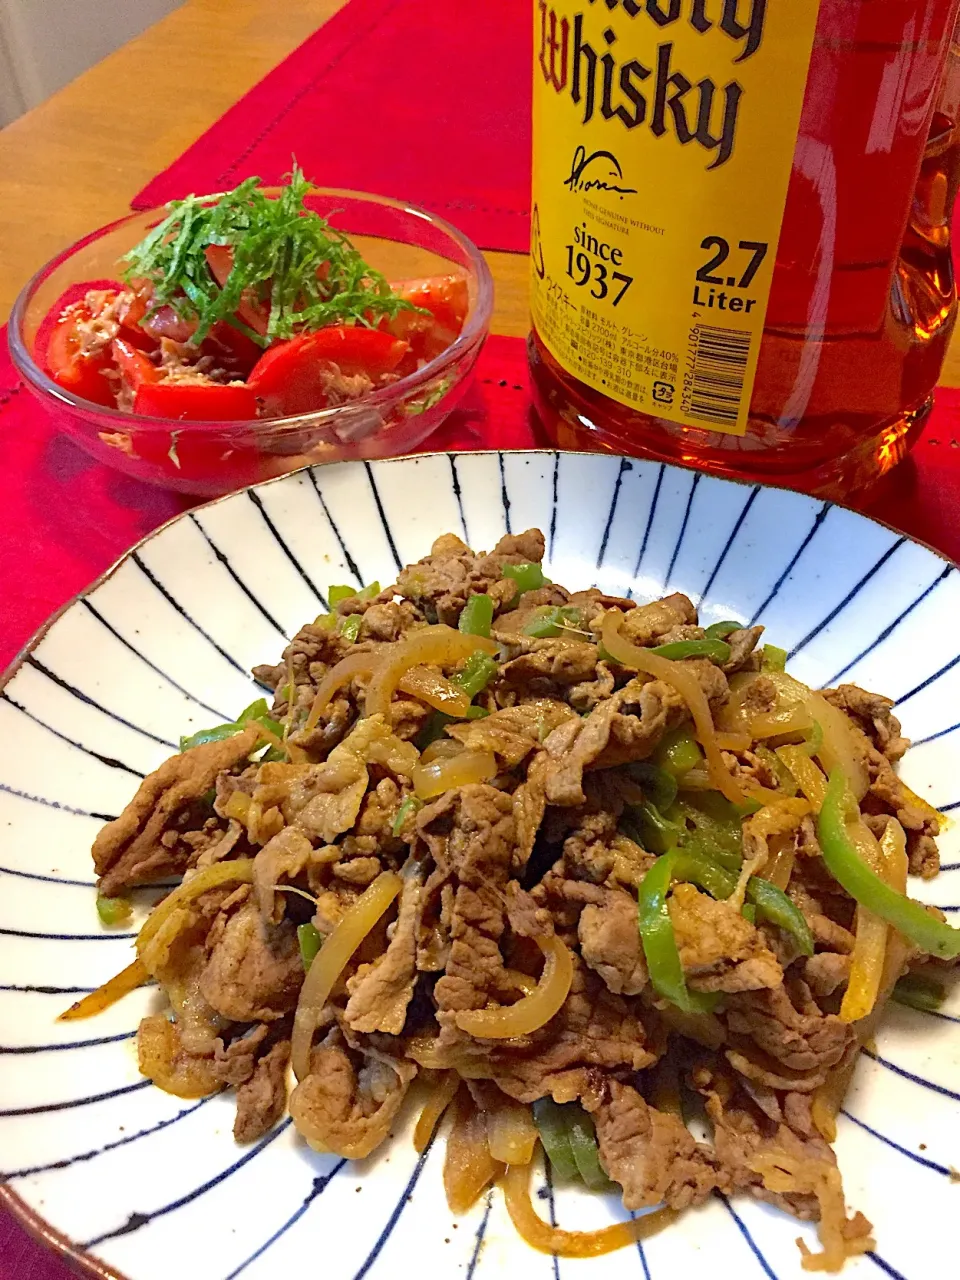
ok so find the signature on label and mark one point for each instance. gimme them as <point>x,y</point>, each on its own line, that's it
<point>598,171</point>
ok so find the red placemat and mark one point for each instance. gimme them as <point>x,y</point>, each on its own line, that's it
<point>425,100</point>
<point>67,518</point>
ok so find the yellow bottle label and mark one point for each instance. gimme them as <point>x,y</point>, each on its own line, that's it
<point>664,133</point>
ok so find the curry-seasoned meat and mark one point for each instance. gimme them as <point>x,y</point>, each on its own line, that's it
<point>349,1098</point>
<point>610,942</point>
<point>652,1154</point>
<point>262,1099</point>
<point>137,847</point>
<point>381,991</point>
<point>476,857</point>
<point>872,713</point>
<point>460,894</point>
<point>441,583</point>
<point>719,949</point>
<point>254,971</point>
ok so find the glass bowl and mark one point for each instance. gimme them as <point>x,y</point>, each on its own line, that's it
<point>210,458</point>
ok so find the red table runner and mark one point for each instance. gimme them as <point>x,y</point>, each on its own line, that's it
<point>424,100</point>
<point>67,517</point>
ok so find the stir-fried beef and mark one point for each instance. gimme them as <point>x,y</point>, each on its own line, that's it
<point>253,973</point>
<point>137,847</point>
<point>468,893</point>
<point>650,1153</point>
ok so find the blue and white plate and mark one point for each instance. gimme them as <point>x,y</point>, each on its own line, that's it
<point>132,1181</point>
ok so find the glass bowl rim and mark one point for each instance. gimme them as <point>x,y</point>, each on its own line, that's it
<point>473,331</point>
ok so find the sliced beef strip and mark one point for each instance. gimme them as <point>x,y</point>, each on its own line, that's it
<point>743,643</point>
<point>477,855</point>
<point>625,727</point>
<point>547,667</point>
<point>595,1032</point>
<point>719,949</point>
<point>740,1134</point>
<point>283,857</point>
<point>441,583</point>
<point>254,971</point>
<point>888,795</point>
<point>646,624</point>
<point>262,1098</point>
<point>588,694</point>
<point>349,1102</point>
<point>529,807</point>
<point>131,849</point>
<point>512,733</point>
<point>235,1062</point>
<point>786,1035</point>
<point>825,972</point>
<point>650,1153</point>
<point>380,992</point>
<point>311,652</point>
<point>873,714</point>
<point>610,942</point>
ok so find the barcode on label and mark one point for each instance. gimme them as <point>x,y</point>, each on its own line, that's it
<point>718,374</point>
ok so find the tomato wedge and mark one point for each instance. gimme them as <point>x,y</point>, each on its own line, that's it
<point>446,298</point>
<point>293,377</point>
<point>195,402</point>
<point>69,366</point>
<point>135,367</point>
<point>251,311</point>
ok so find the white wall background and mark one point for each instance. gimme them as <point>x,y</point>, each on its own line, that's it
<point>46,43</point>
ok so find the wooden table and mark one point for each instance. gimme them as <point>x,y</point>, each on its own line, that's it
<point>77,161</point>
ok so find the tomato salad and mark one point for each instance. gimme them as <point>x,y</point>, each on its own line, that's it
<point>244,306</point>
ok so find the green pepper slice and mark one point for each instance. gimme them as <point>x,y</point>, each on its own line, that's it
<point>476,616</point>
<point>660,943</point>
<point>716,650</point>
<point>850,871</point>
<point>551,1121</point>
<point>310,942</point>
<point>528,575</point>
<point>720,630</point>
<point>919,992</point>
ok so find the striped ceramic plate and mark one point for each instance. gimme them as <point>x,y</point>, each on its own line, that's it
<point>134,1181</point>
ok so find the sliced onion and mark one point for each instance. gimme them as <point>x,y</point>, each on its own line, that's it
<point>429,645</point>
<point>440,1098</point>
<point>828,1099</point>
<point>841,748</point>
<point>240,871</point>
<point>435,690</point>
<point>511,1133</point>
<point>114,989</point>
<point>888,858</point>
<point>354,664</point>
<point>683,680</point>
<point>459,770</point>
<point>440,749</point>
<point>809,778</point>
<point>780,867</point>
<point>331,960</point>
<point>788,715</point>
<point>530,1012</point>
<point>468,1166</point>
<point>572,1244</point>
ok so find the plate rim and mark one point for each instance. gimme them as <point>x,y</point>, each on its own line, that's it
<point>28,647</point>
<point>35,1224</point>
